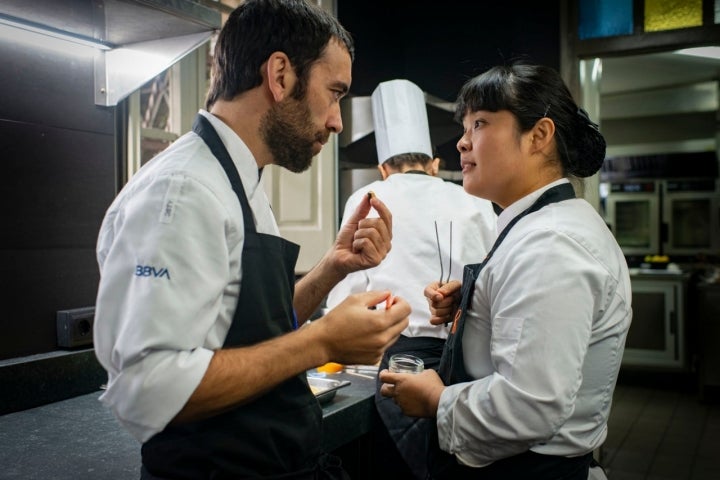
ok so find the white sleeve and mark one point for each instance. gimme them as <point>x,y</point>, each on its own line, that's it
<point>540,301</point>
<point>353,283</point>
<point>162,280</point>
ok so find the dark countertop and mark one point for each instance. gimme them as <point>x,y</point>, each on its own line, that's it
<point>350,414</point>
<point>79,438</point>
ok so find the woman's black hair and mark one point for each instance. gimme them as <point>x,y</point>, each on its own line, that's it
<point>256,29</point>
<point>531,92</point>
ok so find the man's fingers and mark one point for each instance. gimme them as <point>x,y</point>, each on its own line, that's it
<point>383,213</point>
<point>361,211</point>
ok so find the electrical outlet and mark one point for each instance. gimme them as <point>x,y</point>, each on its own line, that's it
<point>75,327</point>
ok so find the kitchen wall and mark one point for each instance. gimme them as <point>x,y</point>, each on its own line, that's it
<point>659,103</point>
<point>58,176</point>
<point>439,45</point>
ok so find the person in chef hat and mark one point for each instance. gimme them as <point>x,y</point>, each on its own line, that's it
<point>437,229</point>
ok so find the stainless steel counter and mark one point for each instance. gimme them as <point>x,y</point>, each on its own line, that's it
<point>658,274</point>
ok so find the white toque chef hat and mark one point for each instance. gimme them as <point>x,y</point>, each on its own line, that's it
<point>400,120</point>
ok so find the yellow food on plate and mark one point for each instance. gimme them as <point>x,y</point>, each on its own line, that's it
<point>330,367</point>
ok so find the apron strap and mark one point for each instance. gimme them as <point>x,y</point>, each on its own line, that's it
<point>452,367</point>
<point>202,127</point>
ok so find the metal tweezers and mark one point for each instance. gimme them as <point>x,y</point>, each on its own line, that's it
<point>437,238</point>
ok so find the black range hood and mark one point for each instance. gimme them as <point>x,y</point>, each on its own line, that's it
<point>134,39</point>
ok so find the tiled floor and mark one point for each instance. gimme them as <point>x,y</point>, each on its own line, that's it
<point>662,434</point>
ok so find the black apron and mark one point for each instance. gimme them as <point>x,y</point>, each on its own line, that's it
<point>526,465</point>
<point>407,434</point>
<point>277,435</point>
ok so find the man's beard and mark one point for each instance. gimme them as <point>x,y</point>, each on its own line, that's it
<point>287,130</point>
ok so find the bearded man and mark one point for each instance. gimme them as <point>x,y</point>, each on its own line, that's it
<point>197,308</point>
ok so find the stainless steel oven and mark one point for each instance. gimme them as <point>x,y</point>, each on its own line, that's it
<point>690,216</point>
<point>632,212</point>
<point>657,336</point>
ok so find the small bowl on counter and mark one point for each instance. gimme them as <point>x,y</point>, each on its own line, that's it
<point>325,389</point>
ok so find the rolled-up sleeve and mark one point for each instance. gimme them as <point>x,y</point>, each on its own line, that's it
<point>165,268</point>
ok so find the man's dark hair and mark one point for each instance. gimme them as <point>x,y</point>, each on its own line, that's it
<point>258,28</point>
<point>397,161</point>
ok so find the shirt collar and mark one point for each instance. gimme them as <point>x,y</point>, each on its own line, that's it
<point>523,204</point>
<point>240,154</point>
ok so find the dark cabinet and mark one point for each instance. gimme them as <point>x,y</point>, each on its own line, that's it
<point>708,316</point>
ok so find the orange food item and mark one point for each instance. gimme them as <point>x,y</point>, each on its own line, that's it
<point>330,367</point>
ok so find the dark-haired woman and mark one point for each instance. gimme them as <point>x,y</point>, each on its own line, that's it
<point>538,329</point>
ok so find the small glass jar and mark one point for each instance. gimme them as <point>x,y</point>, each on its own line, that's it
<point>404,363</point>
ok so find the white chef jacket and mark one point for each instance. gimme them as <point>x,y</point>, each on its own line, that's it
<point>416,201</point>
<point>169,251</point>
<point>544,339</point>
